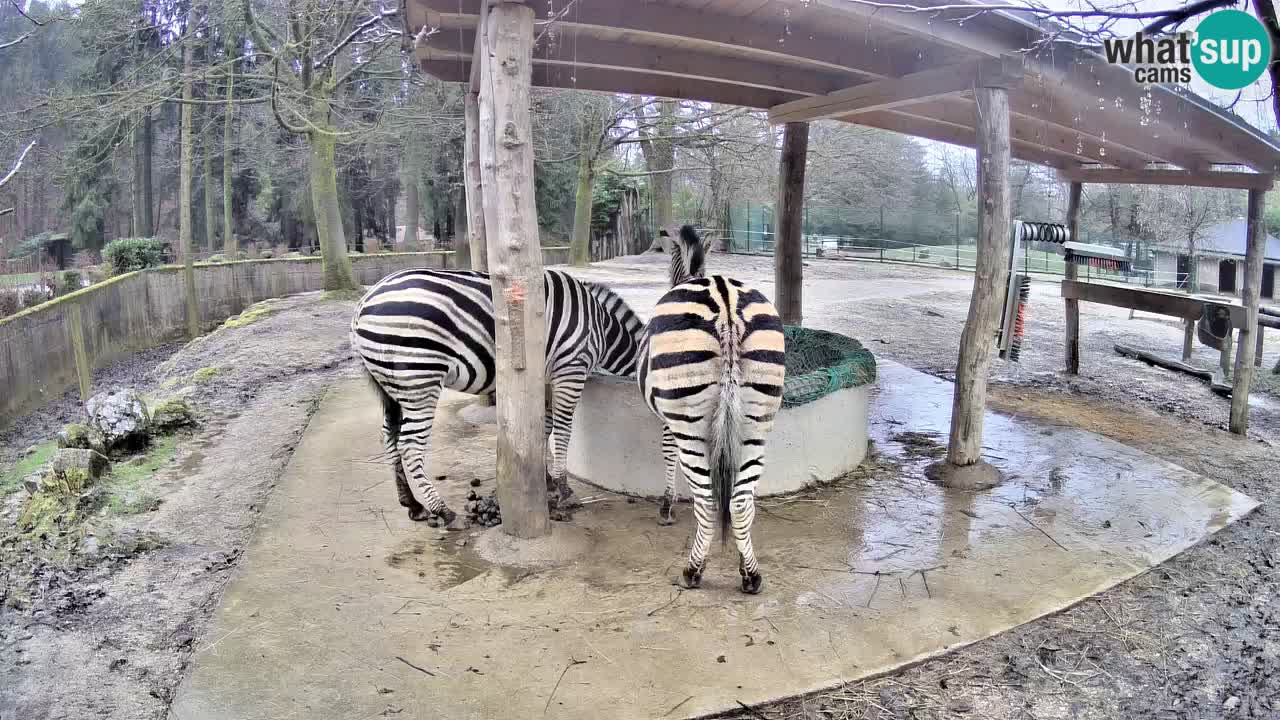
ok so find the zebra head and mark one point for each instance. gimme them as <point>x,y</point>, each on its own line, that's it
<point>621,332</point>
<point>688,255</point>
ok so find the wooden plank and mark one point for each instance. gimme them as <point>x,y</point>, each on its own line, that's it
<point>1134,298</point>
<point>1257,348</point>
<point>884,94</point>
<point>450,67</point>
<point>1188,338</point>
<point>1230,180</point>
<point>1072,306</point>
<point>476,237</point>
<point>755,38</point>
<point>788,271</point>
<point>1153,359</point>
<point>1249,295</point>
<point>515,263</point>
<point>969,404</point>
<point>900,122</point>
<point>575,52</point>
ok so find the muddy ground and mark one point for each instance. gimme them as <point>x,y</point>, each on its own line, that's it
<point>108,634</point>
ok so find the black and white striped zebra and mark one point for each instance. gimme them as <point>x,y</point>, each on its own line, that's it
<point>712,368</point>
<point>419,331</point>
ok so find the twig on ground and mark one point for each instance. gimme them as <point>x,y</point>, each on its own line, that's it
<point>677,706</point>
<point>1038,528</point>
<point>751,710</point>
<point>666,604</point>
<point>415,667</point>
<point>550,697</point>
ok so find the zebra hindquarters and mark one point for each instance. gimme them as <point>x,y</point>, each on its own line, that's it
<point>392,416</point>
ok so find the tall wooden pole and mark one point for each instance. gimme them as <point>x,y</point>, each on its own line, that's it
<point>989,280</point>
<point>788,268</point>
<point>1071,271</point>
<point>1249,296</point>
<point>515,262</point>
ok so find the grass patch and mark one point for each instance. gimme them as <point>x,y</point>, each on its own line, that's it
<point>352,295</point>
<point>126,491</point>
<point>205,374</point>
<point>11,478</point>
<point>251,315</point>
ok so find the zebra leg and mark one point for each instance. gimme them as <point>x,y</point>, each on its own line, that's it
<point>670,461</point>
<point>743,512</point>
<point>390,431</point>
<point>566,390</point>
<point>693,456</point>
<point>415,434</point>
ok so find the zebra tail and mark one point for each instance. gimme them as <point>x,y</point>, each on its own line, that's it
<point>726,433</point>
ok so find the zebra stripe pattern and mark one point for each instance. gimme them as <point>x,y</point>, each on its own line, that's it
<point>712,368</point>
<point>419,331</point>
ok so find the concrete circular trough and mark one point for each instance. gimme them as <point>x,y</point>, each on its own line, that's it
<point>616,442</point>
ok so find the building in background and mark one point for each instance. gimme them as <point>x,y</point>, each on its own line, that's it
<point>1220,268</point>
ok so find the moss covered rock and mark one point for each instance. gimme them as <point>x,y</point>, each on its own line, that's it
<point>76,435</point>
<point>75,469</point>
<point>171,415</point>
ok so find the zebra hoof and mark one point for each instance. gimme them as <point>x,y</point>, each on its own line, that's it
<point>418,513</point>
<point>752,584</point>
<point>666,517</point>
<point>568,501</point>
<point>453,521</point>
<point>692,578</point>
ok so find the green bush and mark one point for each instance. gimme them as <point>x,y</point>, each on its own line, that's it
<point>129,254</point>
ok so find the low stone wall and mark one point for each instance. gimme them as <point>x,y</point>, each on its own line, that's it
<point>143,309</point>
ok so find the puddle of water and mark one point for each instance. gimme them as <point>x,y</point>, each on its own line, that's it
<point>442,560</point>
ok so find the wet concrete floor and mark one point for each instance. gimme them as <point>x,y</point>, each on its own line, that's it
<point>343,608</point>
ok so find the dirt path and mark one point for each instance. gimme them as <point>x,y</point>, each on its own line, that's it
<point>109,634</point>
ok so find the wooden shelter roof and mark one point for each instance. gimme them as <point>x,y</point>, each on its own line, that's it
<point>910,72</point>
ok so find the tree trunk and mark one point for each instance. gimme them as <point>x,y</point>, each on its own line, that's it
<point>580,245</point>
<point>990,277</point>
<point>515,258</point>
<point>788,269</point>
<point>662,159</point>
<point>210,227</point>
<point>411,209</point>
<point>146,200</point>
<point>230,246</point>
<point>324,196</point>
<point>476,236</point>
<point>185,162</point>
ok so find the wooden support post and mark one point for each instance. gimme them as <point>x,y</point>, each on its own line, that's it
<point>1249,296</point>
<point>788,268</point>
<point>1257,348</point>
<point>1072,339</point>
<point>989,281</point>
<point>515,262</point>
<point>1188,337</point>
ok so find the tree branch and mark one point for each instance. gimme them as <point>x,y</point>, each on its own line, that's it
<point>20,38</point>
<point>351,36</point>
<point>23,13</point>
<point>17,166</point>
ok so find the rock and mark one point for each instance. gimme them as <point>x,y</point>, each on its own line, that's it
<point>76,435</point>
<point>32,482</point>
<point>119,417</point>
<point>75,469</point>
<point>172,414</point>
<point>266,254</point>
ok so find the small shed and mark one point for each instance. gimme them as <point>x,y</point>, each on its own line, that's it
<point>1220,251</point>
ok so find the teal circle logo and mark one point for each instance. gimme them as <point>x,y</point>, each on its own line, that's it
<point>1232,49</point>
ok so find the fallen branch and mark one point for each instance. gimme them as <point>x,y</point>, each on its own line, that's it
<point>666,604</point>
<point>572,662</point>
<point>1038,528</point>
<point>1156,360</point>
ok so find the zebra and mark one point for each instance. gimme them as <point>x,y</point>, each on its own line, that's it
<point>712,366</point>
<point>418,331</point>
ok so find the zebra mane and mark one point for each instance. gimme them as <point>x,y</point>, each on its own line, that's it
<point>616,306</point>
<point>688,256</point>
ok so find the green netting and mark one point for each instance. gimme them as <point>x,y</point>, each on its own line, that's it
<point>820,363</point>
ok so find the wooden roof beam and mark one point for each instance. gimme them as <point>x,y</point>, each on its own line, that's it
<point>696,29</point>
<point>589,52</point>
<point>1213,179</point>
<point>899,122</point>
<point>893,92</point>
<point>451,66</point>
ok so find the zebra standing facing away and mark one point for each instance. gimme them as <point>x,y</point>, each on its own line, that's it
<point>419,331</point>
<point>712,368</point>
